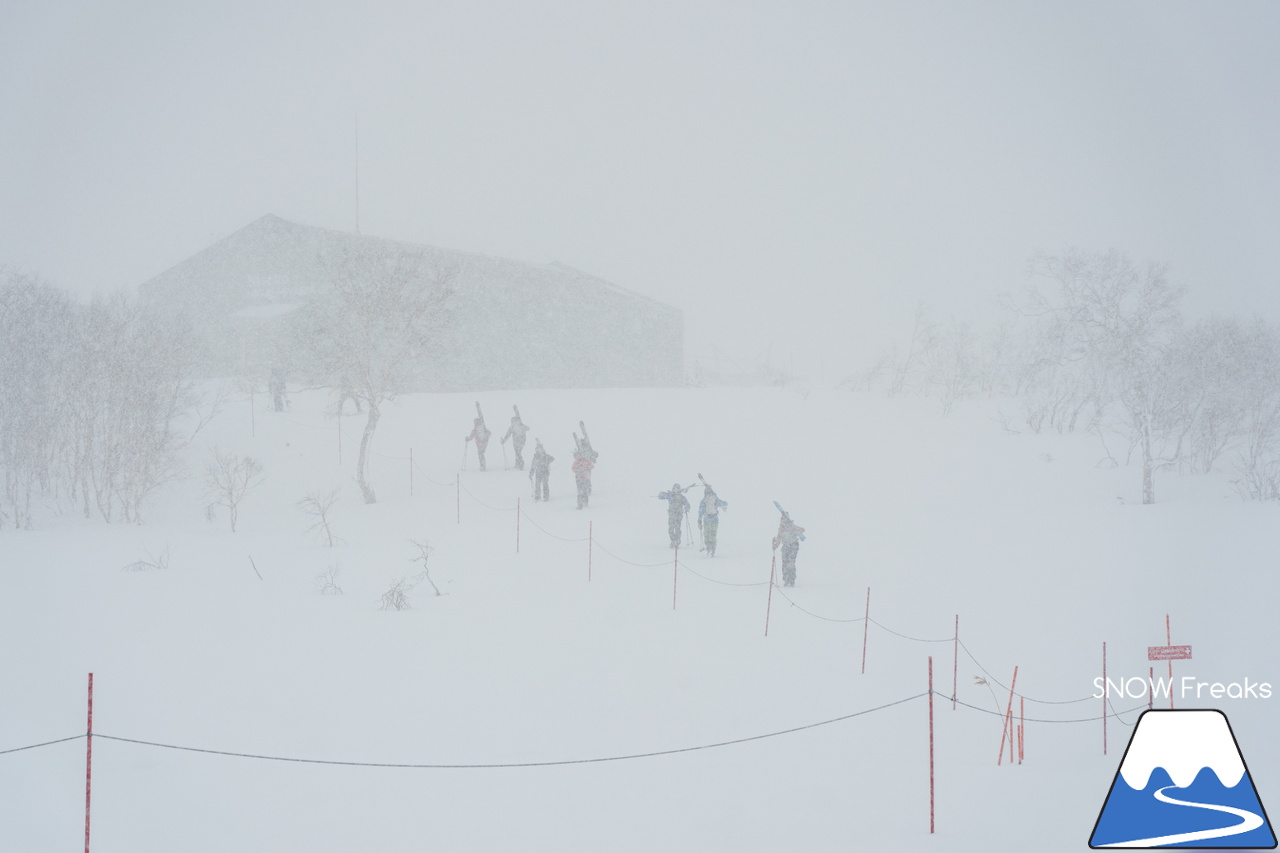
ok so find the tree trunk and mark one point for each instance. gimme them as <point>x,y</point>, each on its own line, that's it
<point>1148,468</point>
<point>362,463</point>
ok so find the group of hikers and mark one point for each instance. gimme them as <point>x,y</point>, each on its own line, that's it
<point>788,538</point>
<point>584,456</point>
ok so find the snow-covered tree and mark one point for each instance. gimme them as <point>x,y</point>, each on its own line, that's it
<point>88,399</point>
<point>382,313</point>
<point>36,321</point>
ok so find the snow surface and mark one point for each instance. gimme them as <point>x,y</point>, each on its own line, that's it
<point>1183,743</point>
<point>1042,555</point>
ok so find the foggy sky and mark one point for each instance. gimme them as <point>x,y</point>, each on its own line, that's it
<point>799,173</point>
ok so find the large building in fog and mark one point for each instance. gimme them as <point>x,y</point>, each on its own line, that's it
<point>517,325</point>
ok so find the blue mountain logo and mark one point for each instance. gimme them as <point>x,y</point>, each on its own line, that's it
<point>1183,783</point>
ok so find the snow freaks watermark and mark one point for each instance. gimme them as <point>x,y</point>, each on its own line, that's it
<point>1186,687</point>
<point>1183,781</point>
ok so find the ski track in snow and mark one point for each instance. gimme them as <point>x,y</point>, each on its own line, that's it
<point>1249,821</point>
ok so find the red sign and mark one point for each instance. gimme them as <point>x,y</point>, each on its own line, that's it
<point>1168,653</point>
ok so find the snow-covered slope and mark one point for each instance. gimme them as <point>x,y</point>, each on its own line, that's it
<point>570,649</point>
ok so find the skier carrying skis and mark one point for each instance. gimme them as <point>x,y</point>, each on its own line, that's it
<point>481,434</point>
<point>709,517</point>
<point>540,472</point>
<point>582,466</point>
<point>789,537</point>
<point>677,507</point>
<point>276,385</point>
<point>516,432</point>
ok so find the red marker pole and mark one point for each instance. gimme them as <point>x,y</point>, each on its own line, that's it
<point>1007,732</point>
<point>931,806</point>
<point>88,766</point>
<point>1022,728</point>
<point>768,607</point>
<point>866,620</point>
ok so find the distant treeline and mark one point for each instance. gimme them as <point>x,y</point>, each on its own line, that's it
<point>1098,344</point>
<point>88,398</point>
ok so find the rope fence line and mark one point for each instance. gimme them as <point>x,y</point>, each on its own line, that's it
<point>299,423</point>
<point>548,532</point>
<point>693,571</point>
<point>882,626</point>
<point>39,745</point>
<point>1003,686</point>
<point>628,562</point>
<point>485,766</point>
<point>811,613</point>
<point>485,505</point>
<point>428,477</point>
<point>1114,713</point>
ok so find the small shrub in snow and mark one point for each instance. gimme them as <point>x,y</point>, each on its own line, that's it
<point>151,563</point>
<point>397,598</point>
<point>230,478</point>
<point>327,583</point>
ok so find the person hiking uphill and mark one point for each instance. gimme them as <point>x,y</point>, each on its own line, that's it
<point>709,517</point>
<point>540,472</point>
<point>276,385</point>
<point>677,507</point>
<point>516,432</point>
<point>789,537</point>
<point>582,466</point>
<point>481,434</point>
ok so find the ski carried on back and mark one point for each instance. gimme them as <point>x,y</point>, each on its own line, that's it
<point>786,515</point>
<point>584,445</point>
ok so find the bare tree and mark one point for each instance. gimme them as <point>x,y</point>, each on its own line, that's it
<point>1257,465</point>
<point>317,505</point>
<point>230,478</point>
<point>1107,333</point>
<point>424,552</point>
<point>382,315</point>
